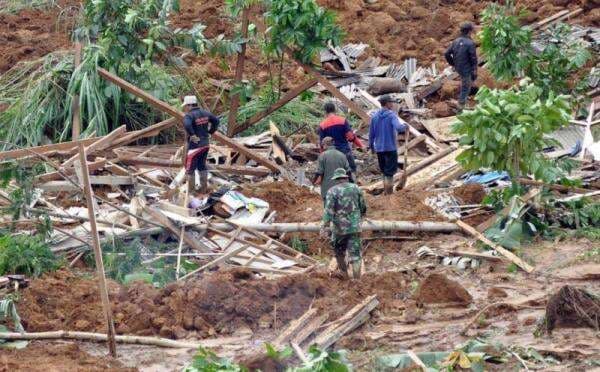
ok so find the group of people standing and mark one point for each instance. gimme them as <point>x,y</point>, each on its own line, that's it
<point>344,202</point>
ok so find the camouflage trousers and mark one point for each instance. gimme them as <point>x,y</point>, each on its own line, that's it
<point>347,242</point>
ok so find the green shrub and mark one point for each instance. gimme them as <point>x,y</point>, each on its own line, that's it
<point>26,255</point>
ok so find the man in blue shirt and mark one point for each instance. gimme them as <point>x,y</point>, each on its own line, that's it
<point>383,140</point>
<point>199,125</point>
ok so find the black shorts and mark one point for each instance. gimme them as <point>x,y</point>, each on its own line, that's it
<point>388,162</point>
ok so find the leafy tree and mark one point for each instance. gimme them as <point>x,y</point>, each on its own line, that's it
<point>505,131</point>
<point>301,25</point>
<point>510,53</point>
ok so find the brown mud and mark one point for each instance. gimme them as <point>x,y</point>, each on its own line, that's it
<point>215,303</point>
<point>438,289</point>
<point>31,34</point>
<point>572,306</point>
<point>52,357</point>
<point>472,193</point>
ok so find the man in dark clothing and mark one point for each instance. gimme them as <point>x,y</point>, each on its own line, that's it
<point>462,55</point>
<point>338,128</point>
<point>329,161</point>
<point>383,140</point>
<point>196,123</point>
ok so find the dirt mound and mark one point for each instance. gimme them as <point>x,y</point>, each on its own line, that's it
<point>437,288</point>
<point>472,193</point>
<point>572,307</point>
<point>30,34</point>
<point>62,300</point>
<point>404,205</point>
<point>44,357</point>
<point>292,202</point>
<point>220,302</point>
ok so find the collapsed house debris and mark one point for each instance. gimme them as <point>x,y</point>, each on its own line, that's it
<point>247,265</point>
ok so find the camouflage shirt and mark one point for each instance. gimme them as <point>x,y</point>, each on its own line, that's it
<point>344,208</point>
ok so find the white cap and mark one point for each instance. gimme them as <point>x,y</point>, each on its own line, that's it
<point>189,100</point>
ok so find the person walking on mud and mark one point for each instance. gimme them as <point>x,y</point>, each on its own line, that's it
<point>196,123</point>
<point>383,140</point>
<point>345,208</point>
<point>329,161</point>
<point>338,128</point>
<point>462,55</point>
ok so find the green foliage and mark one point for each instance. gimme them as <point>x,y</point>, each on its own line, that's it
<point>301,25</point>
<point>505,131</point>
<point>18,180</point>
<point>504,42</point>
<point>582,213</point>
<point>509,52</point>
<point>15,6</point>
<point>324,361</point>
<point>299,244</point>
<point>26,255</point>
<point>207,361</point>
<point>294,115</point>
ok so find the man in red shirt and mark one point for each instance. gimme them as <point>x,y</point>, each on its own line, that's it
<point>338,128</point>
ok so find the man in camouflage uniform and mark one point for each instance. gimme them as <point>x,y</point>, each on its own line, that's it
<point>344,209</point>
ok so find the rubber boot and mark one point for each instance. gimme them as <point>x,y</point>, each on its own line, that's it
<point>356,266</point>
<point>204,182</point>
<point>342,266</point>
<point>388,185</point>
<point>191,182</point>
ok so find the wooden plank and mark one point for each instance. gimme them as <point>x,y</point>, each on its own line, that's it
<point>414,142</point>
<point>549,19</point>
<point>87,188</point>
<point>219,260</point>
<point>55,147</point>
<point>416,360</point>
<point>55,176</point>
<point>165,107</point>
<point>150,131</point>
<point>441,129</point>
<point>239,74</point>
<point>188,238</point>
<point>243,170</point>
<point>309,329</point>
<point>503,251</point>
<point>99,145</point>
<point>276,106</point>
<point>525,181</point>
<point>278,153</point>
<point>352,319</point>
<point>293,328</point>
<point>75,109</point>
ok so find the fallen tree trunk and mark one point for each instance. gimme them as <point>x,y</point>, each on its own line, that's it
<point>139,340</point>
<point>367,225</point>
<point>384,85</point>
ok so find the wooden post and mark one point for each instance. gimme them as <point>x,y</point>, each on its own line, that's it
<point>87,188</point>
<point>404,176</point>
<point>239,74</point>
<point>76,127</point>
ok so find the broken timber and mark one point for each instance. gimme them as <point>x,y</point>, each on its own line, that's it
<point>348,322</point>
<point>163,106</point>
<point>239,74</point>
<point>166,222</point>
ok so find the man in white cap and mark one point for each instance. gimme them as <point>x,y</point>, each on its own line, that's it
<point>199,125</point>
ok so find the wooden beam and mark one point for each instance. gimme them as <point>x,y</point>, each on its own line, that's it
<point>239,74</point>
<point>525,181</point>
<point>87,188</point>
<point>503,251</point>
<point>165,107</point>
<point>277,105</point>
<point>55,147</point>
<point>99,145</point>
<point>490,221</point>
<point>150,131</point>
<point>243,170</point>
<point>75,109</point>
<point>56,176</point>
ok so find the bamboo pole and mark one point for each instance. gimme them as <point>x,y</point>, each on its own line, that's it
<point>87,188</point>
<point>124,339</point>
<point>76,128</point>
<point>239,74</point>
